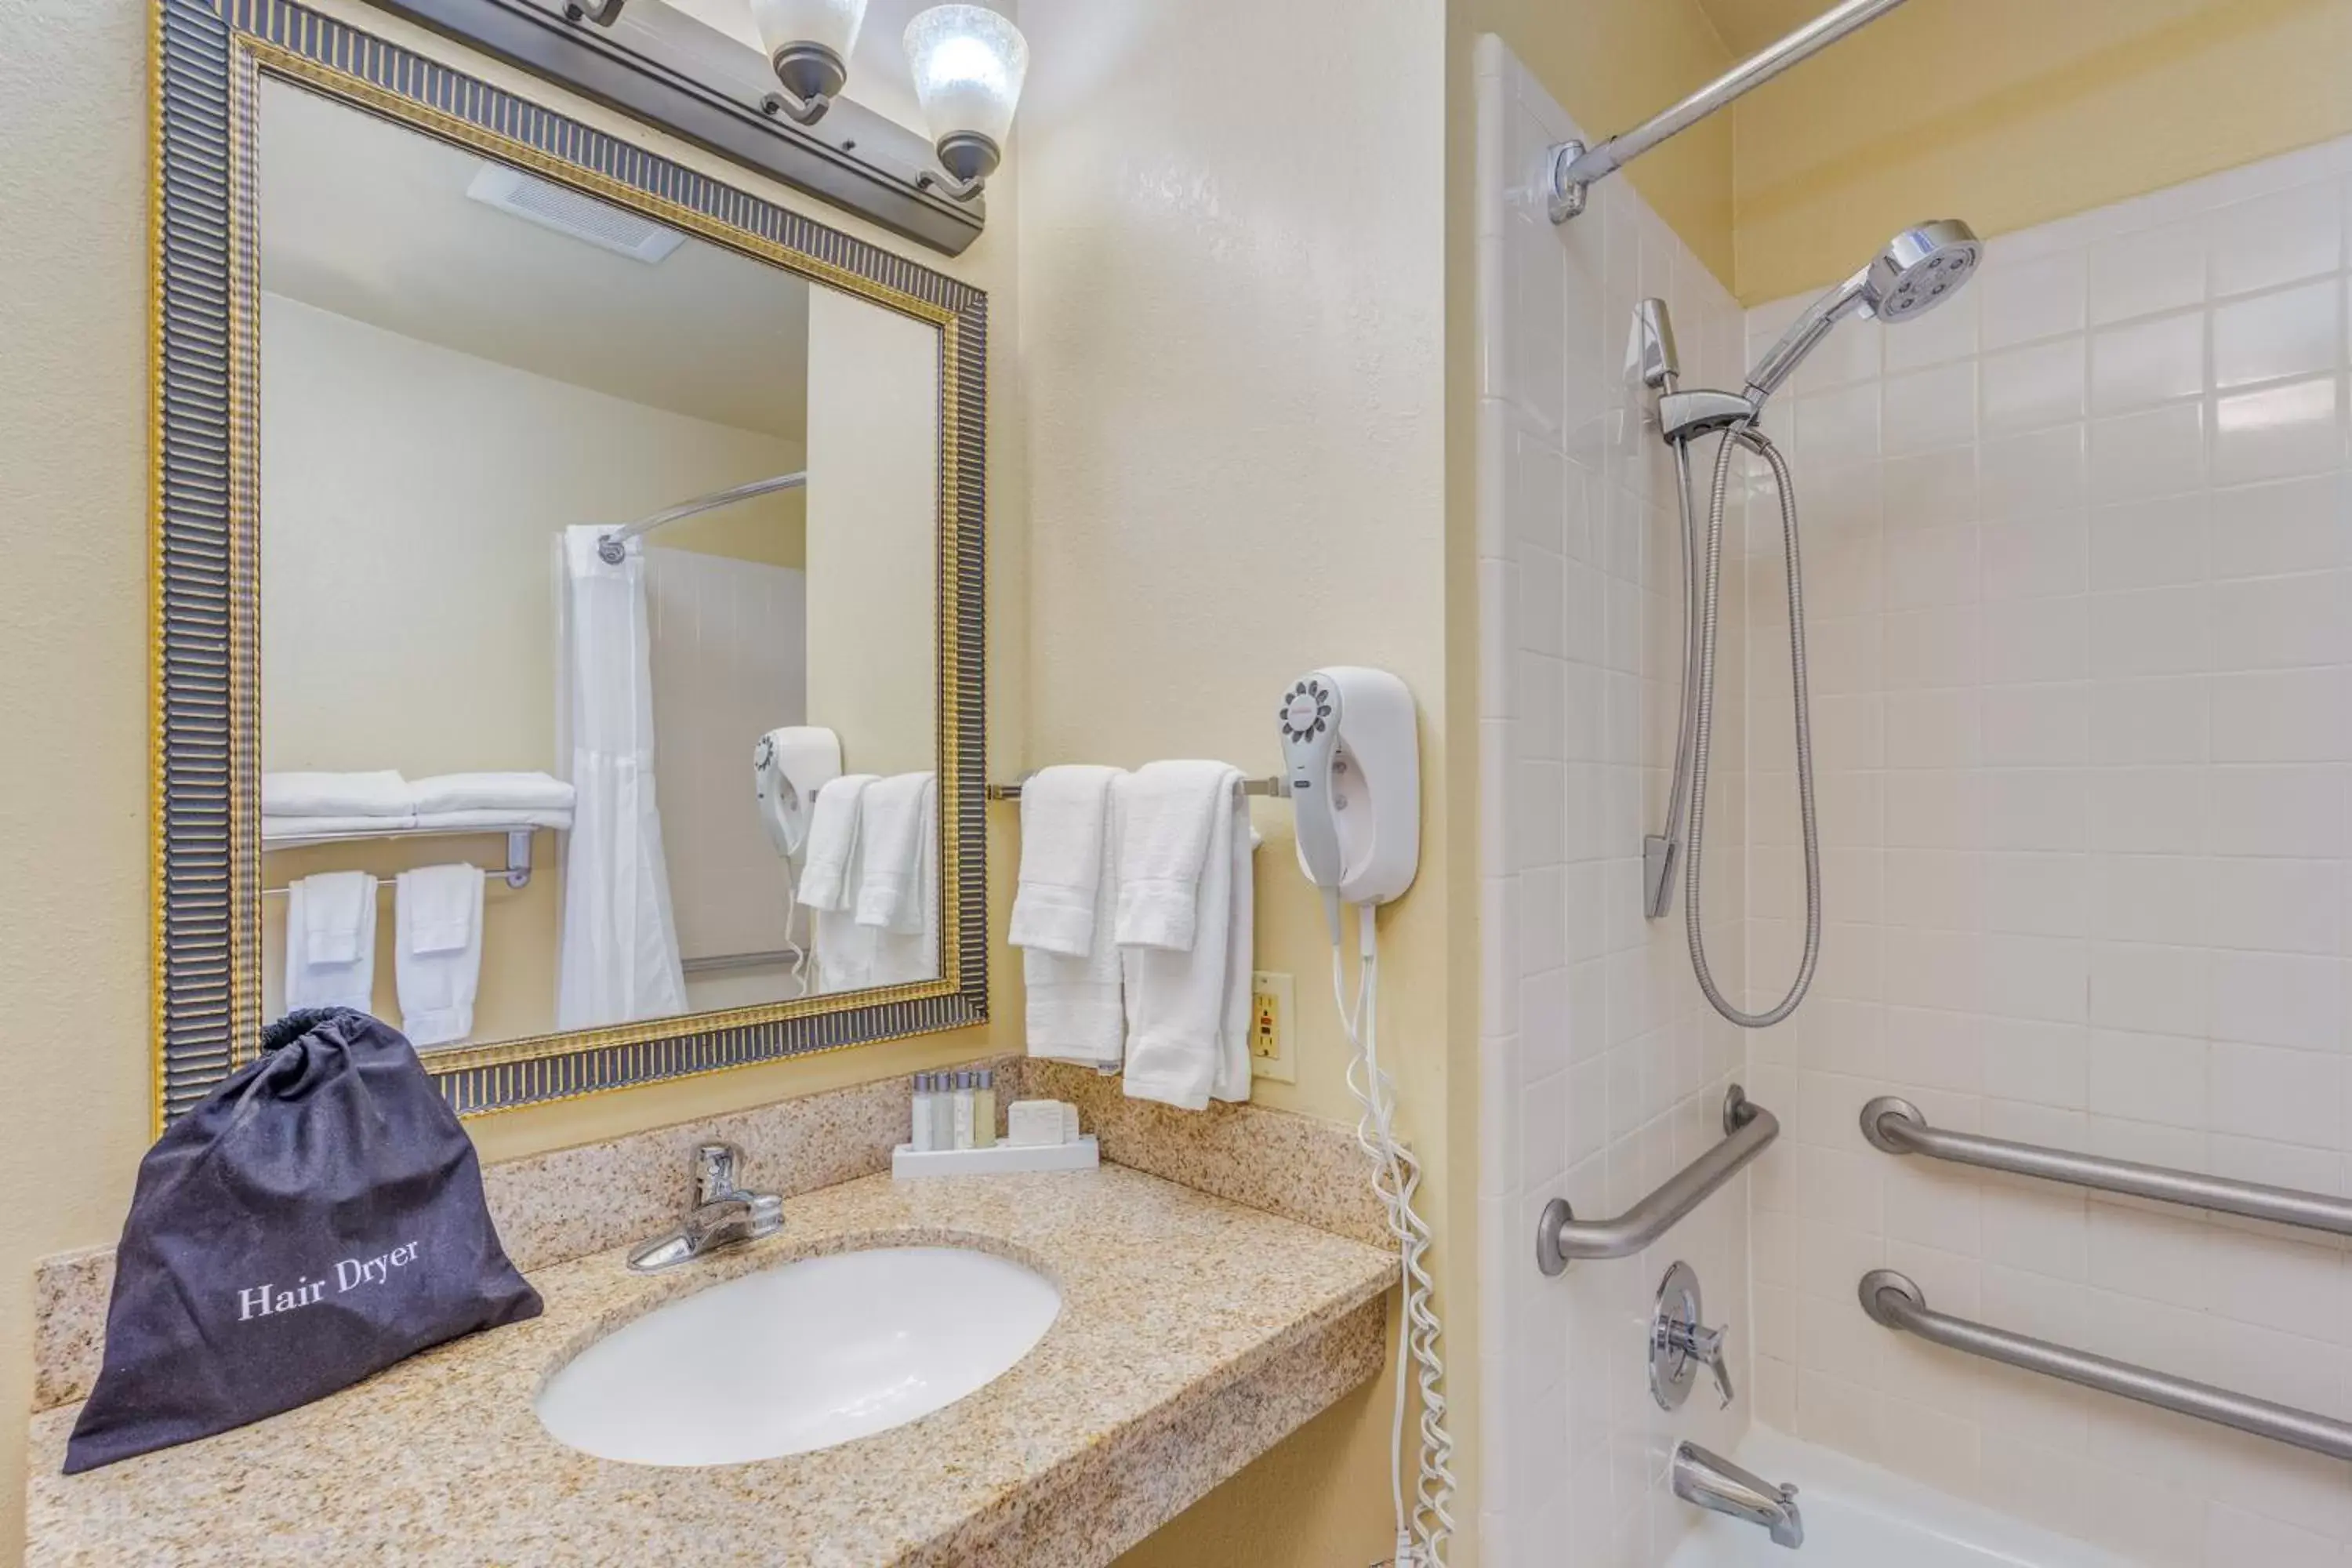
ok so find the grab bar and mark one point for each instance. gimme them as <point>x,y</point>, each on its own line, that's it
<point>1897,1127</point>
<point>1894,1301</point>
<point>1561,1237</point>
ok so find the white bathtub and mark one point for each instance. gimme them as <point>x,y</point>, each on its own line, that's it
<point>1859,1516</point>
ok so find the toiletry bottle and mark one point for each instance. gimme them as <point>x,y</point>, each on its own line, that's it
<point>983,1110</point>
<point>919,1134</point>
<point>963,1110</point>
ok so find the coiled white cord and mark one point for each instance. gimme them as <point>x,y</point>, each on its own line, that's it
<point>1424,1527</point>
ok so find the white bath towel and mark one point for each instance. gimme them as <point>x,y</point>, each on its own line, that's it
<point>1076,1010</point>
<point>789,767</point>
<point>908,949</point>
<point>1188,1012</point>
<point>336,907</point>
<point>349,982</point>
<point>891,846</point>
<point>513,791</point>
<point>1064,820</point>
<point>825,880</point>
<point>1166,815</point>
<point>502,820</point>
<point>290,831</point>
<point>436,953</point>
<point>380,793</point>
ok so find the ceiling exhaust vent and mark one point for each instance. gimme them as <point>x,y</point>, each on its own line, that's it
<point>567,212</point>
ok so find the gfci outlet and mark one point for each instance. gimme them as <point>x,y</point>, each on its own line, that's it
<point>1273,1000</point>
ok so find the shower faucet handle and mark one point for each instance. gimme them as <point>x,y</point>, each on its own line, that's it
<point>1704,1346</point>
<point>1681,1342</point>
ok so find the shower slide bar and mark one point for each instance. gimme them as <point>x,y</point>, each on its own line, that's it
<point>1897,1127</point>
<point>1561,1238</point>
<point>1574,166</point>
<point>1892,1299</point>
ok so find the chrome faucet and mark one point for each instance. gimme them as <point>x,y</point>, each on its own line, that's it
<point>724,1214</point>
<point>1718,1485</point>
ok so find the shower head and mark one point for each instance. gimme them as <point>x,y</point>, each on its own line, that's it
<point>1919,269</point>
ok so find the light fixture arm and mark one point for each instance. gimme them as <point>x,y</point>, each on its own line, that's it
<point>969,159</point>
<point>807,76</point>
<point>604,12</point>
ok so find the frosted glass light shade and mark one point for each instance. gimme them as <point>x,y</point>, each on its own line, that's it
<point>832,24</point>
<point>969,63</point>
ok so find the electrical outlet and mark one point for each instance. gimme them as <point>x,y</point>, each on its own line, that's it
<point>1273,1000</point>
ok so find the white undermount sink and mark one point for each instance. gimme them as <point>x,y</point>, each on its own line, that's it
<point>800,1357</point>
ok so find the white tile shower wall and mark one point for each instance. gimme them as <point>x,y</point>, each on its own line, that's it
<point>1600,1072</point>
<point>2081,552</point>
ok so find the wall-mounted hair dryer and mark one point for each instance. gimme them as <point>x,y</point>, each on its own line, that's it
<point>1351,753</point>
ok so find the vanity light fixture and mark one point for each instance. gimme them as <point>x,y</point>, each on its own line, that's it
<point>969,64</point>
<point>808,44</point>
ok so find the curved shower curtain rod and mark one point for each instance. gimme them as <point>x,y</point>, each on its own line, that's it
<point>613,548</point>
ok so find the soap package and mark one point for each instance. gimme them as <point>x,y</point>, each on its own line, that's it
<point>316,1218</point>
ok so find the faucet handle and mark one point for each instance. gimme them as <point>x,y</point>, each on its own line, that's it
<point>716,1170</point>
<point>1705,1346</point>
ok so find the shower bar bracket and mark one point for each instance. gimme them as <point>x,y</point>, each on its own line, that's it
<point>1561,1238</point>
<point>1574,165</point>
<point>1897,1127</point>
<point>1892,1300</point>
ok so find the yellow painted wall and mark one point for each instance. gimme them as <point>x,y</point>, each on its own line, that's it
<point>1612,64</point>
<point>2013,112</point>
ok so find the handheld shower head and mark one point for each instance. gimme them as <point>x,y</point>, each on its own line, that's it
<point>1919,269</point>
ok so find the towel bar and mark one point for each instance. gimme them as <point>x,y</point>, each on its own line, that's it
<point>1275,786</point>
<point>515,873</point>
<point>1561,1237</point>
<point>1892,1299</point>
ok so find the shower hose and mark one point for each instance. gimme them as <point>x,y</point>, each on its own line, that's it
<point>1701,623</point>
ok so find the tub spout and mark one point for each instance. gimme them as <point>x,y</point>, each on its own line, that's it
<point>1714,1483</point>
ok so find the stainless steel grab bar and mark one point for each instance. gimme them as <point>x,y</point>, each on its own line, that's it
<point>1897,1127</point>
<point>1561,1237</point>
<point>1893,1300</point>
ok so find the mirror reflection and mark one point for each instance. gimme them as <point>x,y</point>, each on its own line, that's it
<point>599,604</point>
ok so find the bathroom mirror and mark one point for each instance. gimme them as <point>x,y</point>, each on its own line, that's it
<point>592,533</point>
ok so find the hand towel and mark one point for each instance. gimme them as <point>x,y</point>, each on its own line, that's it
<point>436,953</point>
<point>1188,1012</point>
<point>336,906</point>
<point>349,984</point>
<point>1076,1010</point>
<point>1166,819</point>
<point>908,950</point>
<point>789,767</point>
<point>1064,817</point>
<point>825,881</point>
<point>890,837</point>
<point>383,794</point>
<point>513,791</point>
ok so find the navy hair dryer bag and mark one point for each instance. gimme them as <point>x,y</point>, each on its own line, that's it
<point>317,1218</point>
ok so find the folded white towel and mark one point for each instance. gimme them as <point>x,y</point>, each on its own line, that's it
<point>1074,1008</point>
<point>492,792</point>
<point>909,949</point>
<point>789,767</point>
<point>437,954</point>
<point>890,845</point>
<point>1166,817</point>
<point>383,794</point>
<point>1188,1012</point>
<point>345,983</point>
<point>825,880</point>
<point>335,906</point>
<point>1064,816</point>
<point>497,821</point>
<point>290,832</point>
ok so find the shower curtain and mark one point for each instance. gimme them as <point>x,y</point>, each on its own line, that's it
<point>618,956</point>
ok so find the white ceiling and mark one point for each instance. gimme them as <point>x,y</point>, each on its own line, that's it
<point>371,220</point>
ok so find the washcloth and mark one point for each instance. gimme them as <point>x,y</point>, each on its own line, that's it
<point>517,792</point>
<point>336,907</point>
<point>1166,817</point>
<point>383,794</point>
<point>891,843</point>
<point>825,881</point>
<point>1076,1010</point>
<point>789,767</point>
<point>1065,817</point>
<point>909,949</point>
<point>436,953</point>
<point>1188,1012</point>
<point>348,984</point>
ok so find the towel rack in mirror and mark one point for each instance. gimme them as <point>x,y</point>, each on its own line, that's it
<point>515,873</point>
<point>1275,786</point>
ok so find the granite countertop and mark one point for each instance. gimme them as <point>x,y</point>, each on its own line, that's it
<point>1194,1334</point>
